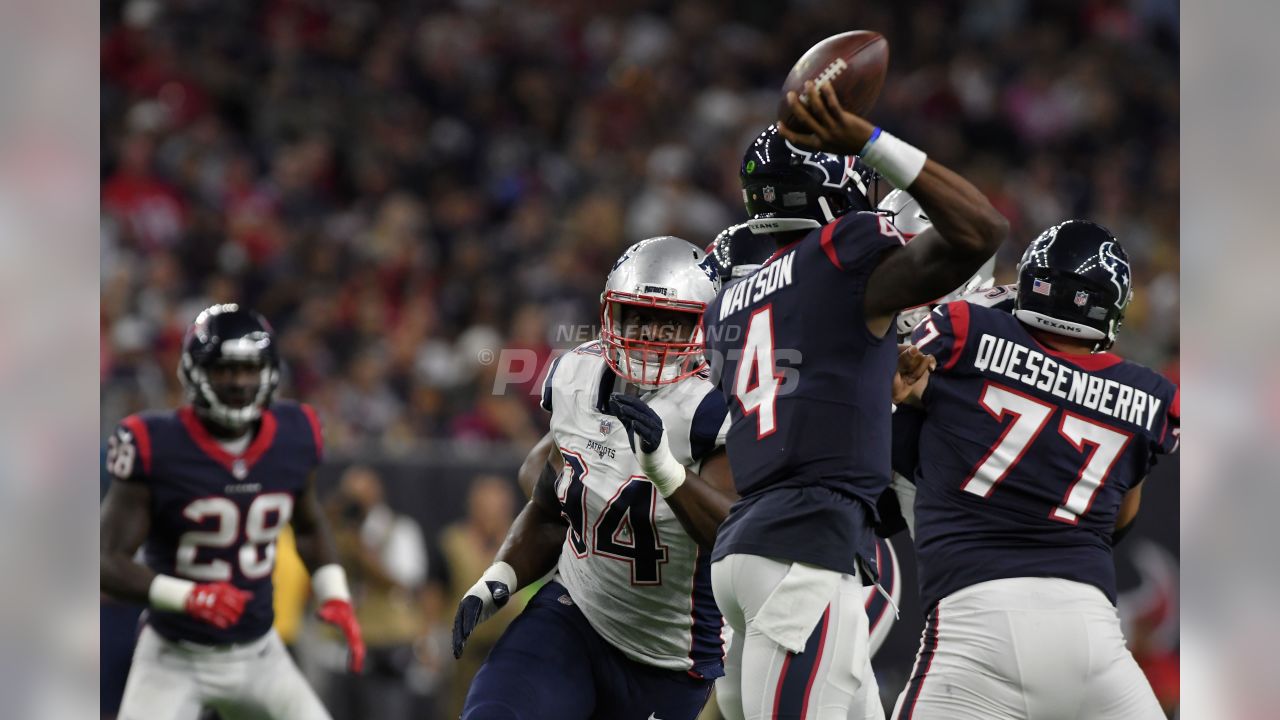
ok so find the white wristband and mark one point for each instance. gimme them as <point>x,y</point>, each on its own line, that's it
<point>503,573</point>
<point>898,161</point>
<point>329,582</point>
<point>663,469</point>
<point>169,593</point>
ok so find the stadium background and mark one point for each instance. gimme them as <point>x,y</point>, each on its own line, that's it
<point>402,186</point>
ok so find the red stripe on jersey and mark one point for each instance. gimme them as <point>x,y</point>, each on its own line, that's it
<point>209,444</point>
<point>959,314</point>
<point>314,420</point>
<point>828,231</point>
<point>1176,408</point>
<point>142,438</point>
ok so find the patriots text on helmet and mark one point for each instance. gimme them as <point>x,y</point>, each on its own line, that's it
<point>1031,367</point>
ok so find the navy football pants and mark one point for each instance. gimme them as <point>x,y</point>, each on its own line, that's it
<point>550,664</point>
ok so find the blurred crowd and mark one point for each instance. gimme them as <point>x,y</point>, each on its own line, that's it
<point>405,189</point>
<point>402,186</point>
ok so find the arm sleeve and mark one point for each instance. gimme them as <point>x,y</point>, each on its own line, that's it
<point>943,333</point>
<point>546,384</point>
<point>129,451</point>
<point>710,425</point>
<point>855,243</point>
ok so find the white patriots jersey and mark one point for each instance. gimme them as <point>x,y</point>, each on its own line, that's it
<point>628,563</point>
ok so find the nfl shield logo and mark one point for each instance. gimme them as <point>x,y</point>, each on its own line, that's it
<point>769,194</point>
<point>1082,298</point>
<point>238,469</point>
<point>606,427</point>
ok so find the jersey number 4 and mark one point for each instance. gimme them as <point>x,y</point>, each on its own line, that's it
<point>625,530</point>
<point>756,381</point>
<point>1029,418</point>
<point>263,521</point>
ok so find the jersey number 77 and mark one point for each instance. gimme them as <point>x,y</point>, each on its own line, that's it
<point>1103,445</point>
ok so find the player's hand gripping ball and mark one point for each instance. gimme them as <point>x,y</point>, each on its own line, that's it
<point>852,63</point>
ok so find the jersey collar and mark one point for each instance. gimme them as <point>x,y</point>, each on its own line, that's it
<point>209,444</point>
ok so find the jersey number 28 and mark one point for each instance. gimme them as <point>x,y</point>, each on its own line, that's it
<point>263,521</point>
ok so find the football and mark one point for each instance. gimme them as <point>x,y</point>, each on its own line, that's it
<point>854,63</point>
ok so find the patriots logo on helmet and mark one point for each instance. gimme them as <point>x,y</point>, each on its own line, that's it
<point>708,268</point>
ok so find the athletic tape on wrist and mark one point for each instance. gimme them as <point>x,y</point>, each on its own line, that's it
<point>169,593</point>
<point>897,160</point>
<point>330,583</point>
<point>503,573</point>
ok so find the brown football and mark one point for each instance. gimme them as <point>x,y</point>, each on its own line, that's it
<point>854,63</point>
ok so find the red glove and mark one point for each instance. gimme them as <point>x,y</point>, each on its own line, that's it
<point>220,604</point>
<point>340,614</point>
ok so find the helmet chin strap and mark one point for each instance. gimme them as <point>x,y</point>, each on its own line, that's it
<point>826,209</point>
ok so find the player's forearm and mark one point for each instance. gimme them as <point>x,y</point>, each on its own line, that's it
<point>969,224</point>
<point>124,579</point>
<point>315,547</point>
<point>533,544</point>
<point>700,508</point>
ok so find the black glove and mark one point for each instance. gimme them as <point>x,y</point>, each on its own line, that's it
<point>485,598</point>
<point>639,419</point>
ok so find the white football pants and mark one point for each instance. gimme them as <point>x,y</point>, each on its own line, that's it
<point>799,648</point>
<point>1026,649</point>
<point>253,681</point>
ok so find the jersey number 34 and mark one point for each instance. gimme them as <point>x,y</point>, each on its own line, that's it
<point>625,529</point>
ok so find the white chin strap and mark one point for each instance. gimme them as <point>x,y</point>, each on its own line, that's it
<point>1059,327</point>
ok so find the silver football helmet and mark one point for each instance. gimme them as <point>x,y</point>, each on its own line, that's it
<point>658,274</point>
<point>907,215</point>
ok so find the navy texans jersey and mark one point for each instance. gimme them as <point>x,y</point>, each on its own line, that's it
<point>214,516</point>
<point>1027,452</point>
<point>809,394</point>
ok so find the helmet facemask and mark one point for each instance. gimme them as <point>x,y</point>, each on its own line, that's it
<point>233,390</point>
<point>652,341</point>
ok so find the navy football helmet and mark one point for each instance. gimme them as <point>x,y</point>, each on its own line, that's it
<point>737,252</point>
<point>786,187</point>
<point>1074,280</point>
<point>223,338</point>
